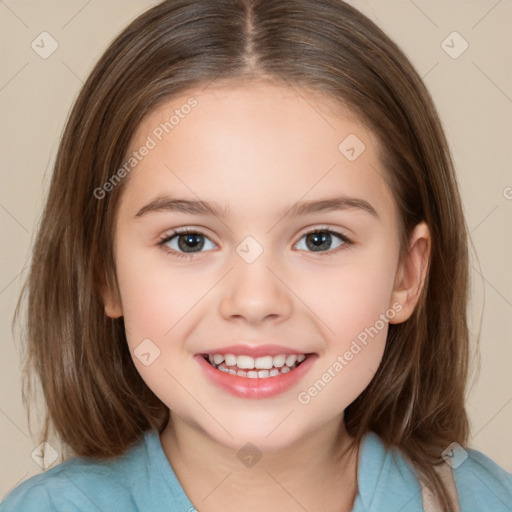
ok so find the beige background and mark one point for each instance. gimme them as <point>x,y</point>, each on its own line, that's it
<point>473,94</point>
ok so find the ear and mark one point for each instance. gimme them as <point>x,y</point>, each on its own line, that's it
<point>111,300</point>
<point>411,273</point>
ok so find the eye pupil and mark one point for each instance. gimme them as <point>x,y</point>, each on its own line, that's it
<point>190,241</point>
<point>320,240</point>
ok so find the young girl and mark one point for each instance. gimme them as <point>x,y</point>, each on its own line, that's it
<point>249,286</point>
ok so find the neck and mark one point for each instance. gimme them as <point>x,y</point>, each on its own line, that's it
<point>318,472</point>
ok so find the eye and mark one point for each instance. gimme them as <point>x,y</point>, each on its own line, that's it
<point>321,239</point>
<point>184,243</point>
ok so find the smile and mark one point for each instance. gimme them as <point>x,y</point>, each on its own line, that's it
<point>255,368</point>
<point>262,376</point>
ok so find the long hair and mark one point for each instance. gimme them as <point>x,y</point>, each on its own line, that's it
<point>96,401</point>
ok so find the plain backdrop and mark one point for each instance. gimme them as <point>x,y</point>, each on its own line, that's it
<point>472,89</point>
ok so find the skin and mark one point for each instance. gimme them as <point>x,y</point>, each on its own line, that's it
<point>256,149</point>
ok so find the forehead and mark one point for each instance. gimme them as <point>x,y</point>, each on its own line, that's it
<point>257,144</point>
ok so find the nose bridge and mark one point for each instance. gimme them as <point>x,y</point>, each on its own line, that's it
<point>254,290</point>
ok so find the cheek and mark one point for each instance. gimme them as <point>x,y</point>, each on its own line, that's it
<point>351,296</point>
<point>159,307</point>
<point>155,297</point>
<point>355,314</point>
<point>155,305</point>
<point>353,302</point>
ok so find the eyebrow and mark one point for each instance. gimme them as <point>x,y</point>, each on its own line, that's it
<point>167,203</point>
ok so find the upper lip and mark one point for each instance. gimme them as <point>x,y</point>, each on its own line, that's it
<point>255,350</point>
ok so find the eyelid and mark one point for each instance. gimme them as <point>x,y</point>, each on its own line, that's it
<point>167,235</point>
<point>323,227</point>
<point>202,231</point>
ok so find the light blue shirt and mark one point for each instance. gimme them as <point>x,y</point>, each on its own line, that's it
<point>143,480</point>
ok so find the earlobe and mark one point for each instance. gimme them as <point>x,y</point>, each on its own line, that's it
<point>113,310</point>
<point>412,273</point>
<point>111,301</point>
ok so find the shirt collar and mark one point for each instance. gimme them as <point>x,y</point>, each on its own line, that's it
<point>386,479</point>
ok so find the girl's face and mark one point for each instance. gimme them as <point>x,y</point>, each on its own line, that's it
<point>249,171</point>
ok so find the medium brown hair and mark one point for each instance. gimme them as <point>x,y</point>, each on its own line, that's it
<point>96,400</point>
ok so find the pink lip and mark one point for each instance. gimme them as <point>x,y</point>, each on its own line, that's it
<point>255,388</point>
<point>255,351</point>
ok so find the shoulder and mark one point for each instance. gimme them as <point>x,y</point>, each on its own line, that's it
<point>82,484</point>
<point>386,477</point>
<point>481,483</point>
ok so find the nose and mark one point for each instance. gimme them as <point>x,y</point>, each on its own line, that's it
<point>255,292</point>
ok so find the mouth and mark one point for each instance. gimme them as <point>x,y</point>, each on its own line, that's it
<point>257,371</point>
<point>263,367</point>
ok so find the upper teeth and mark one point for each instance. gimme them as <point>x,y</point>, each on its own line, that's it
<point>260,363</point>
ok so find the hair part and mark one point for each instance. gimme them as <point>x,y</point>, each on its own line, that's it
<point>96,400</point>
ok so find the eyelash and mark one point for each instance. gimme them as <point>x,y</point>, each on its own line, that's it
<point>168,237</point>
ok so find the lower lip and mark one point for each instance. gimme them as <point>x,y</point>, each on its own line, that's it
<point>256,388</point>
